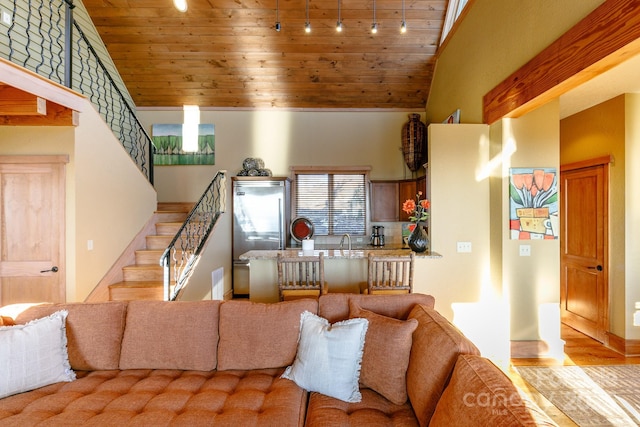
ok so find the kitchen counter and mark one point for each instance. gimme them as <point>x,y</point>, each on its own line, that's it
<point>362,253</point>
<point>344,270</point>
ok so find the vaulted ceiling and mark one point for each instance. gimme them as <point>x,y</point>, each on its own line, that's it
<point>227,53</point>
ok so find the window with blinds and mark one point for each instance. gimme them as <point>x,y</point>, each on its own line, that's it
<point>334,202</point>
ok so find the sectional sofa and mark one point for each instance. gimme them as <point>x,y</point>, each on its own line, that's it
<point>342,360</point>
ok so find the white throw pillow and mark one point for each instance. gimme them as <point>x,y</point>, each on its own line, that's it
<point>34,355</point>
<point>329,357</point>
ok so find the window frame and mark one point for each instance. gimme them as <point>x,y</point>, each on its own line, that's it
<point>333,170</point>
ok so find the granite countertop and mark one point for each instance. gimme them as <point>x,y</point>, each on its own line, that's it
<point>360,253</point>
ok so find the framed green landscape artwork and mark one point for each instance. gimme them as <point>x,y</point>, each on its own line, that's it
<point>167,139</point>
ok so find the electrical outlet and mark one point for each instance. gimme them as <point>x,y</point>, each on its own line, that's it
<point>89,245</point>
<point>464,247</point>
<point>6,18</point>
<point>525,250</point>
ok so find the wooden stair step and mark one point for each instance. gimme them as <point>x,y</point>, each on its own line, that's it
<point>168,228</point>
<point>139,290</point>
<point>175,206</point>
<point>136,273</point>
<point>148,256</point>
<point>158,242</point>
<point>171,216</point>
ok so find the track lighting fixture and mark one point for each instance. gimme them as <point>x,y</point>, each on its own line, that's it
<point>374,25</point>
<point>339,23</point>
<point>278,26</point>
<point>307,24</point>
<point>181,5</point>
<point>403,26</point>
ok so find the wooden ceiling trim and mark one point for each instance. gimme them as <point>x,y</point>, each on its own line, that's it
<point>605,38</point>
<point>57,115</point>
<point>15,102</point>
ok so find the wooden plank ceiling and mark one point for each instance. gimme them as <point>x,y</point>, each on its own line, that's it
<point>227,53</point>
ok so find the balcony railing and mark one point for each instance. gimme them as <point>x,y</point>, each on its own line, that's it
<point>45,38</point>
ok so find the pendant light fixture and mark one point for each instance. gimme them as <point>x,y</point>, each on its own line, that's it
<point>278,26</point>
<point>339,23</point>
<point>374,25</point>
<point>403,26</point>
<point>181,5</point>
<point>307,24</point>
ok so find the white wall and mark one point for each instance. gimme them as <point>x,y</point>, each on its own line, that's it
<point>282,139</point>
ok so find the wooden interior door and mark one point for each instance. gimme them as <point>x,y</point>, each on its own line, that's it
<point>32,225</point>
<point>584,294</point>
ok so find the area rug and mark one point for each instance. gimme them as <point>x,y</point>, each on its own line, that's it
<point>590,395</point>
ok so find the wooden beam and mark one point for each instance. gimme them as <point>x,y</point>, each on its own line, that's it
<point>56,115</point>
<point>605,38</point>
<point>15,102</point>
<point>28,81</point>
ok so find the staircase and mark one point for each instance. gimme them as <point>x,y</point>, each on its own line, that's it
<point>144,279</point>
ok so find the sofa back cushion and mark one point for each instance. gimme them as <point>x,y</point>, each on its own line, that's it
<point>94,331</point>
<point>480,394</point>
<point>335,306</point>
<point>171,335</point>
<point>260,336</point>
<point>434,352</point>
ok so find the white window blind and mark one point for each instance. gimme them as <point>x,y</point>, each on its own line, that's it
<point>334,202</point>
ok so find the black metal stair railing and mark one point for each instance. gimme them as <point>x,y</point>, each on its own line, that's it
<point>183,253</point>
<point>45,38</point>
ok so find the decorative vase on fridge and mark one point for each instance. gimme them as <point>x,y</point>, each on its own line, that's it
<point>418,239</point>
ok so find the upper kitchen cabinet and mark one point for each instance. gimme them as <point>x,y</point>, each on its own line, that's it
<point>384,198</point>
<point>387,198</point>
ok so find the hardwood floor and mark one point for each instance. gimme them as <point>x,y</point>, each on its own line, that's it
<point>580,350</point>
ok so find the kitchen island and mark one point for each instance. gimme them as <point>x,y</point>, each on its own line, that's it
<point>344,270</point>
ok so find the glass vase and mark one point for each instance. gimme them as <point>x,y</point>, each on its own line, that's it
<point>418,239</point>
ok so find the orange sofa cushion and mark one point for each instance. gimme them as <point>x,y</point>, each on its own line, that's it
<point>436,347</point>
<point>372,410</point>
<point>481,394</point>
<point>260,336</point>
<point>161,398</point>
<point>335,306</point>
<point>171,335</point>
<point>386,354</point>
<point>94,331</point>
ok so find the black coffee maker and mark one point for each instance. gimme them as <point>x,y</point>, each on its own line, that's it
<point>377,236</point>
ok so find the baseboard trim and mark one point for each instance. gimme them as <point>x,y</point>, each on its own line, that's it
<point>625,347</point>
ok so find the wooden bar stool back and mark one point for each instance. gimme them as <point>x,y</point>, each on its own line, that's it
<point>390,274</point>
<point>301,277</point>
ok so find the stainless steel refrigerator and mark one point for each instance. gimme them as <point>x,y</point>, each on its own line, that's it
<point>261,215</point>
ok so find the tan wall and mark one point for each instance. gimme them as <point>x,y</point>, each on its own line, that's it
<point>530,281</point>
<point>110,208</point>
<point>106,207</point>
<point>459,212</point>
<point>495,38</point>
<point>632,213</point>
<point>282,139</point>
<point>596,132</point>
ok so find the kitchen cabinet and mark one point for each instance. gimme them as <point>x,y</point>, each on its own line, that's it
<point>387,198</point>
<point>384,201</point>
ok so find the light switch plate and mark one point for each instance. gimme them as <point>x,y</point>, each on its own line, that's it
<point>464,247</point>
<point>525,250</point>
<point>6,18</point>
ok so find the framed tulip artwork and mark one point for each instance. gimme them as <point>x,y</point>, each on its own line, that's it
<point>533,203</point>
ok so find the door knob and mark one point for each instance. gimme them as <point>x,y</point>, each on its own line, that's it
<point>53,269</point>
<point>597,267</point>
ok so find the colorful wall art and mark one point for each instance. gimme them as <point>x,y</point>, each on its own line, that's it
<point>533,203</point>
<point>167,139</point>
